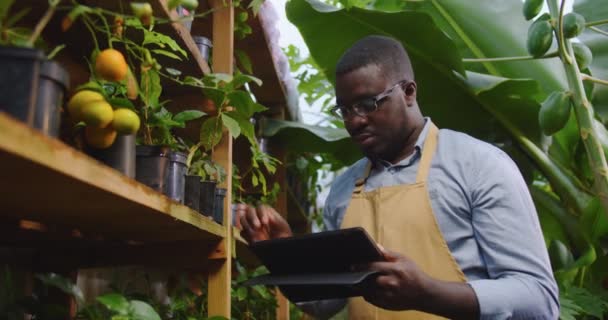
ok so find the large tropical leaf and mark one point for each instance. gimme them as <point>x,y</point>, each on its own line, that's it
<point>594,10</point>
<point>490,29</point>
<point>300,137</point>
<point>483,106</point>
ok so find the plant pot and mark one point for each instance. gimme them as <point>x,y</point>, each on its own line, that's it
<point>19,81</point>
<point>120,156</point>
<point>218,213</point>
<point>193,192</point>
<point>204,46</point>
<point>32,88</point>
<point>207,198</point>
<point>175,187</point>
<point>151,165</point>
<point>53,84</point>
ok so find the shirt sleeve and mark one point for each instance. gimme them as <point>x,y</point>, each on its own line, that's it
<point>506,226</point>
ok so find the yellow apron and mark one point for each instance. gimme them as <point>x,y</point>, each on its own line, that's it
<point>401,219</point>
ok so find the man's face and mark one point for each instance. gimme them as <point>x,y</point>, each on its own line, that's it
<point>382,133</point>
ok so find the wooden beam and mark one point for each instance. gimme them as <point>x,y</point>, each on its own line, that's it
<point>223,51</point>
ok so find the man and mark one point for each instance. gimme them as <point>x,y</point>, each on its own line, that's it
<point>455,219</point>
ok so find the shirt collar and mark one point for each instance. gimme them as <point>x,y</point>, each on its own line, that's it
<point>408,161</point>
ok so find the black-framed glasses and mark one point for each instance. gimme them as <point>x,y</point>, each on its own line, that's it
<point>364,106</point>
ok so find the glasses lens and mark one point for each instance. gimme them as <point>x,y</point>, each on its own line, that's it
<point>365,106</point>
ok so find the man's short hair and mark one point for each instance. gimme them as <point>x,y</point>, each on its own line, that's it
<point>387,53</point>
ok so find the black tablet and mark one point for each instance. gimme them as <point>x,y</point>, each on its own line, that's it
<point>323,252</point>
<point>317,266</point>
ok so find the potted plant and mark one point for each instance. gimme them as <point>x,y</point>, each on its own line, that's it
<point>32,86</point>
<point>130,88</point>
<point>204,177</point>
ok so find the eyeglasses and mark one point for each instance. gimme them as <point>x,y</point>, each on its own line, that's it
<point>365,106</point>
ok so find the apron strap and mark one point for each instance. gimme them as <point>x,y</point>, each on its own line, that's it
<point>360,183</point>
<point>430,145</point>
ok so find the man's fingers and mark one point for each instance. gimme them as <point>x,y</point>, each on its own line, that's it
<point>264,213</point>
<point>252,218</point>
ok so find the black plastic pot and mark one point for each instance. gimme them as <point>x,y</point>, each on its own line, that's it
<point>204,46</point>
<point>207,198</point>
<point>120,156</point>
<point>53,84</point>
<point>175,187</point>
<point>31,88</point>
<point>193,192</point>
<point>151,165</point>
<point>218,214</point>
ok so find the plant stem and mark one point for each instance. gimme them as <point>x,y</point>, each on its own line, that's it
<point>598,30</point>
<point>560,34</point>
<point>596,23</point>
<point>41,24</point>
<point>585,117</point>
<point>515,58</point>
<point>587,77</point>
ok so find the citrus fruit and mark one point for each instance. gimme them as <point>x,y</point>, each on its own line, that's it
<point>97,114</point>
<point>79,100</point>
<point>125,121</point>
<point>100,138</point>
<point>111,65</point>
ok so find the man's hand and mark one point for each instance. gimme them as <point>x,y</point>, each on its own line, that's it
<point>261,223</point>
<point>402,285</point>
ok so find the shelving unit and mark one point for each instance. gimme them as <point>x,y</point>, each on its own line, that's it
<point>62,210</point>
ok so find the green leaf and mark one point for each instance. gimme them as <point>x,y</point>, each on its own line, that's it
<point>299,137</point>
<point>140,310</point>
<point>122,103</point>
<point>211,133</point>
<point>569,310</point>
<point>5,7</point>
<point>166,54</point>
<point>216,95</point>
<point>63,284</point>
<point>188,115</point>
<point>150,87</point>
<point>15,17</point>
<point>240,79</point>
<point>161,40</point>
<point>232,125</point>
<point>244,103</point>
<point>115,302</point>
<point>241,293</point>
<point>173,72</point>
<point>255,6</point>
<point>594,221</point>
<point>247,128</point>
<point>244,60</point>
<point>55,51</point>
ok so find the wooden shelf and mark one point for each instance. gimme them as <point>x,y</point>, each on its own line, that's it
<point>43,180</point>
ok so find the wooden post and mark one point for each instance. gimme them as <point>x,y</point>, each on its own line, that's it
<point>220,275</point>
<point>280,176</point>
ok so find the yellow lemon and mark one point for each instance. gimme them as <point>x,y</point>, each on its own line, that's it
<point>97,114</point>
<point>125,121</point>
<point>100,138</point>
<point>111,65</point>
<point>81,99</point>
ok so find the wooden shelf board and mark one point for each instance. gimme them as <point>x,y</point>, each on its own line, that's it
<point>41,179</point>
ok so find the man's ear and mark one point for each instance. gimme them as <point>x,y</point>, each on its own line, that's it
<point>409,88</point>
